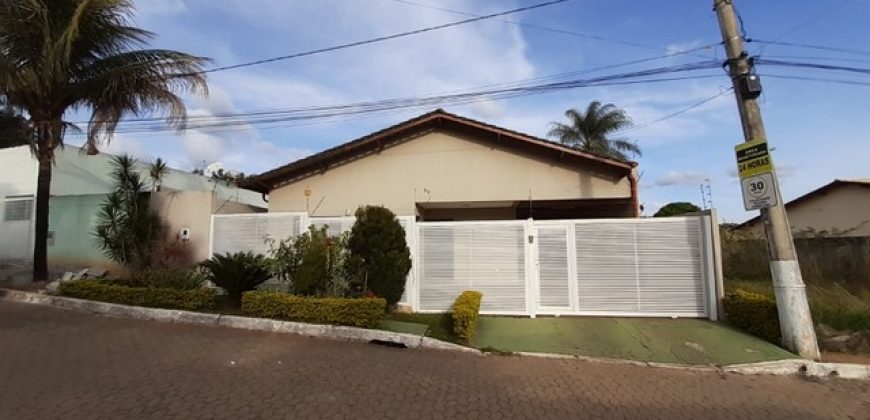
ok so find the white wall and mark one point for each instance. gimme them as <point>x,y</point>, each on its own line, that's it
<point>18,183</point>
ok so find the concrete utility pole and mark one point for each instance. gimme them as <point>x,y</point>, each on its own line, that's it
<point>795,321</point>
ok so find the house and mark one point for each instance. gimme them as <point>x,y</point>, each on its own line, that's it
<point>840,208</point>
<point>78,187</point>
<point>444,167</point>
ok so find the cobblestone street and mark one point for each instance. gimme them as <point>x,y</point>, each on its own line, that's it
<point>61,364</point>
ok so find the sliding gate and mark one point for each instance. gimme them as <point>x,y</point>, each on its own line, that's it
<point>618,267</point>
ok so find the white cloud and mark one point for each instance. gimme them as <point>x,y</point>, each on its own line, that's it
<point>123,144</point>
<point>672,178</point>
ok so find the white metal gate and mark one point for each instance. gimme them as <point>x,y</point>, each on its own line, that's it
<point>617,267</point>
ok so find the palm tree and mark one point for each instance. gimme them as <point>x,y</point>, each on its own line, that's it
<point>157,171</point>
<point>590,131</point>
<point>62,55</point>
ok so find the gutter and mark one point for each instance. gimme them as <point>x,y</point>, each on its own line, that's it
<point>635,203</point>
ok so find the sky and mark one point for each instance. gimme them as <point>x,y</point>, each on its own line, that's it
<point>819,131</point>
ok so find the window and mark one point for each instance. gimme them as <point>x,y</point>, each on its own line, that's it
<point>15,210</point>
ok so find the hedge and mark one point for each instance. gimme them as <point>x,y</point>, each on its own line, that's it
<point>466,309</point>
<point>356,312</point>
<point>139,296</point>
<point>754,313</point>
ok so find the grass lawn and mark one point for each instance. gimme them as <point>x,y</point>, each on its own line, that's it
<point>690,341</point>
<point>830,304</point>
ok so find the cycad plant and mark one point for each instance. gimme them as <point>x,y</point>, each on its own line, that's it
<point>237,273</point>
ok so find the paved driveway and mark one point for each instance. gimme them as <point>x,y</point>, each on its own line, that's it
<point>55,364</point>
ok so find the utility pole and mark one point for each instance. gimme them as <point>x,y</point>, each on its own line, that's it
<point>795,320</point>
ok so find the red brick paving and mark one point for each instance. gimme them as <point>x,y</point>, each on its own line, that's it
<point>60,364</point>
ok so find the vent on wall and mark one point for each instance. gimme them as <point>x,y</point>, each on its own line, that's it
<point>17,210</point>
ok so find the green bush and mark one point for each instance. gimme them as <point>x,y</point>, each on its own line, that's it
<point>139,296</point>
<point>754,313</point>
<point>313,263</point>
<point>237,273</point>
<point>379,253</point>
<point>357,312</point>
<point>466,310</point>
<point>164,279</point>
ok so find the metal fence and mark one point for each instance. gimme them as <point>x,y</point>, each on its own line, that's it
<point>614,267</point>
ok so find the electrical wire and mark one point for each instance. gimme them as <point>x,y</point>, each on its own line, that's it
<point>546,28</point>
<point>815,79</point>
<point>522,82</point>
<point>808,46</point>
<point>677,113</point>
<point>636,77</point>
<point>377,39</point>
<point>811,20</point>
<point>818,66</point>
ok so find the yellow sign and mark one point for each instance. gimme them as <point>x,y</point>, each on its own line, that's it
<point>753,158</point>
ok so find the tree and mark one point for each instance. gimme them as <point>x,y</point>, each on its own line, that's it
<point>378,250</point>
<point>590,131</point>
<point>127,230</point>
<point>57,56</point>
<point>13,128</point>
<point>157,171</point>
<point>676,208</point>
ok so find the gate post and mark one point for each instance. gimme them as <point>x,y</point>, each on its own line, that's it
<point>532,267</point>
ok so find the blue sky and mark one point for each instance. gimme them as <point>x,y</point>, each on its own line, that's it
<point>819,130</point>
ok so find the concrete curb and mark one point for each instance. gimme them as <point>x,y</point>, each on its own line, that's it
<point>779,367</point>
<point>800,367</point>
<point>257,324</point>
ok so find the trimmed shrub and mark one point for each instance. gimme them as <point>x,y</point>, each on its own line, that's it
<point>313,263</point>
<point>466,310</point>
<point>237,273</point>
<point>139,296</point>
<point>754,313</point>
<point>164,279</point>
<point>379,252</point>
<point>356,312</point>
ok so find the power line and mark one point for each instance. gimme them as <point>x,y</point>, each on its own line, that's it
<point>808,46</point>
<point>637,77</point>
<point>815,79</point>
<point>380,39</point>
<point>860,70</point>
<point>543,28</point>
<point>823,58</point>
<point>680,112</point>
<point>811,20</point>
<point>522,82</point>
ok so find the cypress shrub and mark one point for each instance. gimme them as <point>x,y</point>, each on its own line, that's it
<point>466,310</point>
<point>379,252</point>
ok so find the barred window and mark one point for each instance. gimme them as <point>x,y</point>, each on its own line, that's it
<point>14,210</point>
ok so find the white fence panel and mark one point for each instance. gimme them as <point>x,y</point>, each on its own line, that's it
<point>670,269</point>
<point>253,231</point>
<point>553,268</point>
<point>487,257</point>
<point>606,271</point>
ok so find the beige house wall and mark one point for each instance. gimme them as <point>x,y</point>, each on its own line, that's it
<point>193,210</point>
<point>441,168</point>
<point>843,209</point>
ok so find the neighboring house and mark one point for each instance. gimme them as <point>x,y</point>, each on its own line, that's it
<point>841,208</point>
<point>441,166</point>
<point>78,187</point>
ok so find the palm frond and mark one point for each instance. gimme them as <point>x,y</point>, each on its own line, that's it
<point>591,130</point>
